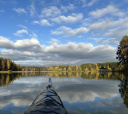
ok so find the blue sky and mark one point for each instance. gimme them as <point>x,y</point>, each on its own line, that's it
<point>50,32</point>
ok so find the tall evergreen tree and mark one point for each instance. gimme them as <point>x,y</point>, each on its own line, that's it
<point>122,52</point>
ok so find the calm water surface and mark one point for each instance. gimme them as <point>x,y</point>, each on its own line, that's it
<point>81,93</point>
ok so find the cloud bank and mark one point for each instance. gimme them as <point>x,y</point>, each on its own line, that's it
<point>30,50</point>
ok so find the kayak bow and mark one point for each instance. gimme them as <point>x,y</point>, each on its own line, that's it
<point>47,102</point>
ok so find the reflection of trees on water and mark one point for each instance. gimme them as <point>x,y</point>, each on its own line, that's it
<point>123,90</point>
<point>6,79</point>
<point>98,75</point>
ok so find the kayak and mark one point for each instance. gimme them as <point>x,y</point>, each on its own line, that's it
<point>47,102</point>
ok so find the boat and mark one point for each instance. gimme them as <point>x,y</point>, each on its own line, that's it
<point>47,102</point>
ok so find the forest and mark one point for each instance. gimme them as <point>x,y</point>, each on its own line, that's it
<point>7,64</point>
<point>109,66</point>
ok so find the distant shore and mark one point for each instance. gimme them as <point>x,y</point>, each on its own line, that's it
<point>20,71</point>
<point>36,71</point>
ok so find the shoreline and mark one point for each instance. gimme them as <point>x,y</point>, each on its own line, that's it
<point>35,71</point>
<point>9,71</point>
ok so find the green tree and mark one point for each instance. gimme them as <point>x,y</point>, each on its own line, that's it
<point>122,52</point>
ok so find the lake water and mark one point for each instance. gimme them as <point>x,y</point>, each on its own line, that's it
<point>81,93</point>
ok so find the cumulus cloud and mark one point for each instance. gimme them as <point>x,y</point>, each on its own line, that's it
<point>54,41</point>
<point>68,32</point>
<point>69,19</point>
<point>42,22</point>
<point>105,41</point>
<point>45,22</point>
<point>5,43</point>
<point>66,8</point>
<point>25,44</point>
<point>110,28</point>
<point>109,10</point>
<point>117,33</point>
<point>108,24</point>
<point>50,12</point>
<point>28,50</point>
<point>21,32</point>
<point>20,10</point>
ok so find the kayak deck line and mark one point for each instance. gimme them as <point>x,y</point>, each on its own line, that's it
<point>47,102</point>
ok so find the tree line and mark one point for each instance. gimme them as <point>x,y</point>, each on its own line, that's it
<point>109,66</point>
<point>7,64</point>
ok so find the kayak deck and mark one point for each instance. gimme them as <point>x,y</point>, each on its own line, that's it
<point>47,102</point>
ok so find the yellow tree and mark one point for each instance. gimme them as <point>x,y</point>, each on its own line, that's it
<point>97,68</point>
<point>8,64</point>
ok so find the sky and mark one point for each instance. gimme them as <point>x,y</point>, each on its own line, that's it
<point>52,32</point>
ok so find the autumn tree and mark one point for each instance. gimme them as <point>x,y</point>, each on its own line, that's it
<point>122,52</point>
<point>8,64</point>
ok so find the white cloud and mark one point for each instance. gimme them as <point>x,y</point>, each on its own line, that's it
<point>109,10</point>
<point>5,43</point>
<point>21,32</point>
<point>54,41</point>
<point>32,9</point>
<point>105,41</point>
<point>36,22</point>
<point>20,10</point>
<point>86,3</point>
<point>45,22</point>
<point>103,25</point>
<point>57,53</point>
<point>33,35</point>
<point>117,33</point>
<point>50,12</point>
<point>42,22</point>
<point>69,19</point>
<point>68,32</point>
<point>66,8</point>
<point>110,28</point>
<point>22,26</point>
<point>26,43</point>
<point>92,2</point>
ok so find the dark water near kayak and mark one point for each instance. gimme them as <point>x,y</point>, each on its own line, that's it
<point>81,93</point>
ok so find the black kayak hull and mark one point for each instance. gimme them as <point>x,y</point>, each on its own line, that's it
<point>47,102</point>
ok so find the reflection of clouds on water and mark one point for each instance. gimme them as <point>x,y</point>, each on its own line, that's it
<point>31,80</point>
<point>98,106</point>
<point>79,95</point>
<point>87,90</point>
